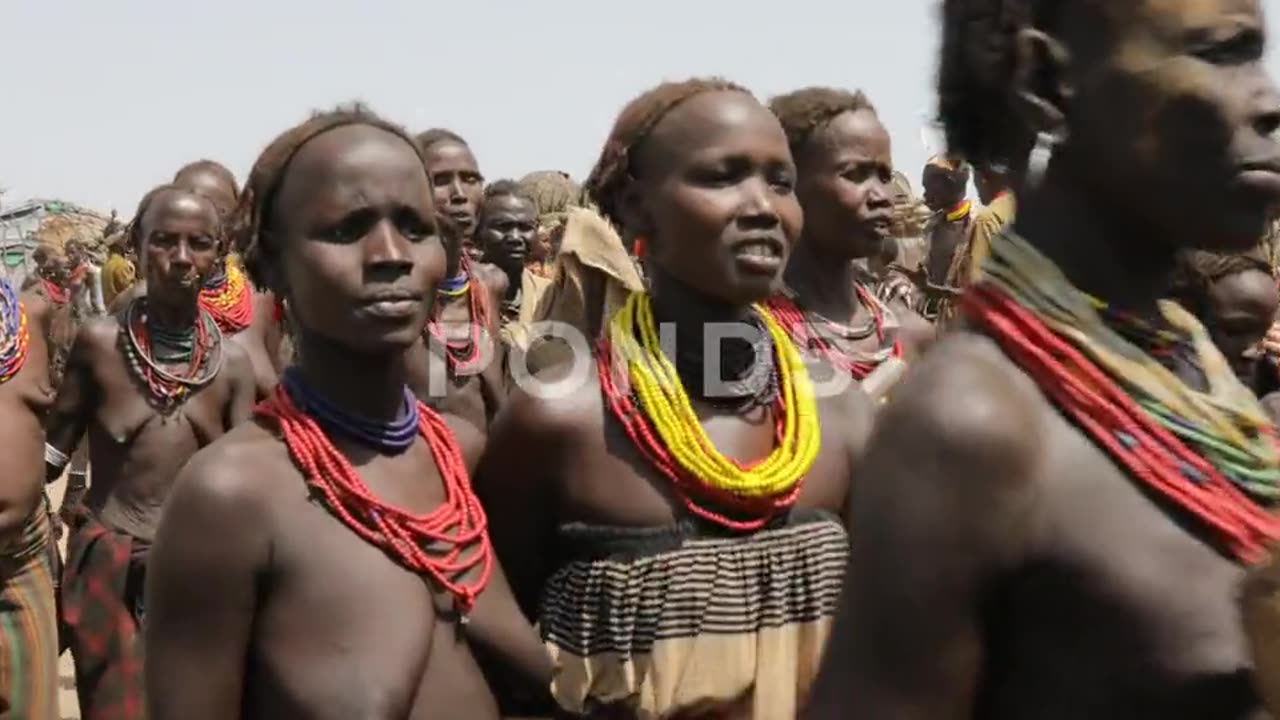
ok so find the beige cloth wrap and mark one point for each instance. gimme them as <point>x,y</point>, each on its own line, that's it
<point>592,277</point>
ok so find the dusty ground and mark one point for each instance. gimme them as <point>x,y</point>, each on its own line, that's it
<point>67,705</point>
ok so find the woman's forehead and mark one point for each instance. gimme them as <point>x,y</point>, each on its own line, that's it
<point>717,120</point>
<point>353,159</point>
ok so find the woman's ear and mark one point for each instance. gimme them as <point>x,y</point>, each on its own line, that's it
<point>1040,85</point>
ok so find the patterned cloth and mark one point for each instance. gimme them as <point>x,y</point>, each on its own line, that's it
<point>691,621</point>
<point>29,625</point>
<point>101,593</point>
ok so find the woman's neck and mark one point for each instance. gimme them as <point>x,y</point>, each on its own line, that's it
<point>824,285</point>
<point>369,385</point>
<point>171,315</point>
<point>695,318</point>
<point>1099,254</point>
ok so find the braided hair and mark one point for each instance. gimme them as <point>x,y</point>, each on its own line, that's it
<point>615,168</point>
<point>252,222</point>
<point>805,111</point>
<point>1196,271</point>
<point>976,73</point>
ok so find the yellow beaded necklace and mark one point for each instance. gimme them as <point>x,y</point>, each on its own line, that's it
<point>666,404</point>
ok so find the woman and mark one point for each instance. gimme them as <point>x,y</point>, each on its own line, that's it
<point>845,167</point>
<point>679,541</point>
<point>1057,512</point>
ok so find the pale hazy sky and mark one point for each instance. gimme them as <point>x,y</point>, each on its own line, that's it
<point>102,99</point>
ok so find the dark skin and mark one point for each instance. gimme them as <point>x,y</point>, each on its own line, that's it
<point>246,627</point>
<point>943,190</point>
<point>135,449</point>
<point>458,188</point>
<point>989,182</point>
<point>261,340</point>
<point>1043,581</point>
<point>24,400</point>
<point>1240,309</point>
<point>845,186</point>
<point>507,230</point>
<point>715,177</point>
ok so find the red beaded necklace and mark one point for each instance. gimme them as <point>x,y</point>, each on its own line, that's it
<point>458,523</point>
<point>1104,412</point>
<point>463,357</point>
<point>699,498</point>
<point>57,294</point>
<point>799,326</point>
<point>204,360</point>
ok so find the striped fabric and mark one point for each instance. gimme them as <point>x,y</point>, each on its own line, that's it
<point>29,626</point>
<point>649,623</point>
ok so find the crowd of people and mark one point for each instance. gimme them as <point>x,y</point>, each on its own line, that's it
<point>738,427</point>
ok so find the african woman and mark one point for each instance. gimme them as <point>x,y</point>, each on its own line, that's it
<point>845,175</point>
<point>464,331</point>
<point>342,517</point>
<point>246,318</point>
<point>678,538</point>
<point>28,614</point>
<point>1060,503</point>
<point>149,387</point>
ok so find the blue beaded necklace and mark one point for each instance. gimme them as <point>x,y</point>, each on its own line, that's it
<point>389,437</point>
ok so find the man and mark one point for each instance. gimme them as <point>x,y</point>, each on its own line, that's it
<point>1060,504</point>
<point>945,181</point>
<point>998,210</point>
<point>275,550</point>
<point>245,317</point>
<point>28,616</point>
<point>506,231</point>
<point>150,387</point>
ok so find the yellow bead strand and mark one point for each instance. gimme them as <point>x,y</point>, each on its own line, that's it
<point>664,400</point>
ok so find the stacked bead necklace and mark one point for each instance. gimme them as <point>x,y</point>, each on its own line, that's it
<point>14,332</point>
<point>810,331</point>
<point>644,391</point>
<point>445,544</point>
<point>147,348</point>
<point>227,298</point>
<point>463,358</point>
<point>1213,455</point>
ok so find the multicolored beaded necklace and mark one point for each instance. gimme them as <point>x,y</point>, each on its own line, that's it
<point>15,333</point>
<point>1213,455</point>
<point>145,349</point>
<point>642,388</point>
<point>227,298</point>
<point>444,545</point>
<point>462,358</point>
<point>391,438</point>
<point>811,332</point>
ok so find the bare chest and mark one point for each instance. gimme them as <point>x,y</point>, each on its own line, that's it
<point>1125,609</point>
<point>345,632</point>
<point>129,410</point>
